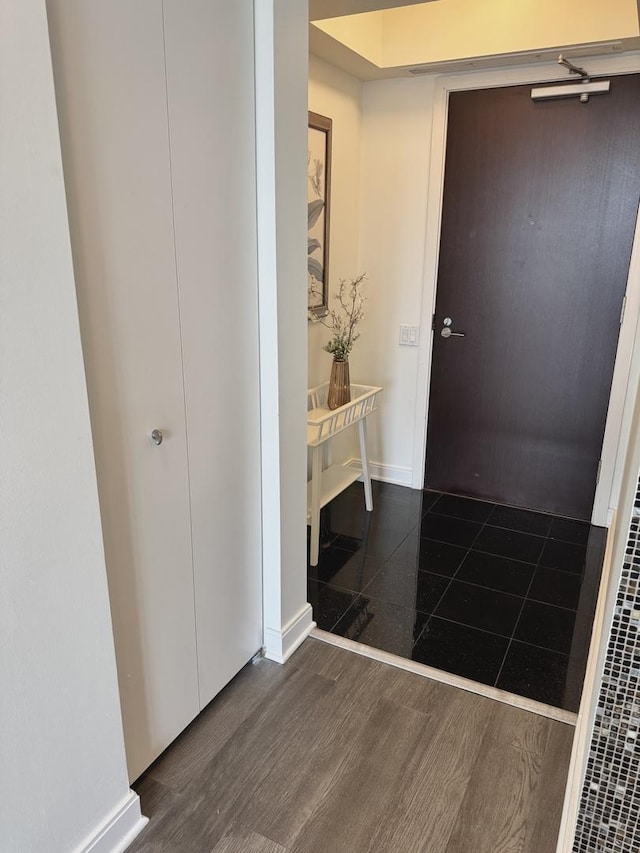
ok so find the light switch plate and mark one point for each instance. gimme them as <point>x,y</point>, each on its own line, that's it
<point>409,336</point>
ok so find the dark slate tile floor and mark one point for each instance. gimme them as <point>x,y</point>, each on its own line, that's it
<point>496,594</point>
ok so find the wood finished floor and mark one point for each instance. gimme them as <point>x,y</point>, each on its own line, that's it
<point>337,753</point>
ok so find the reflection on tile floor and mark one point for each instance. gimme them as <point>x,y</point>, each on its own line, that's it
<point>495,594</point>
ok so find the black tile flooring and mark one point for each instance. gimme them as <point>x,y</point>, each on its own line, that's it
<point>496,594</point>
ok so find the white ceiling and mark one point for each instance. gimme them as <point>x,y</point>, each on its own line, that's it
<point>457,35</point>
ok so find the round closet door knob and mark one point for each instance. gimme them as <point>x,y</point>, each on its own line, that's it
<point>156,436</point>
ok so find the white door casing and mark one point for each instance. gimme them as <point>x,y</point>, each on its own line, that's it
<point>627,366</point>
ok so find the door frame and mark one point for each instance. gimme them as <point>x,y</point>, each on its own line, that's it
<point>627,364</point>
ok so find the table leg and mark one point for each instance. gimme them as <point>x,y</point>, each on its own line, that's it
<point>316,478</point>
<point>366,476</point>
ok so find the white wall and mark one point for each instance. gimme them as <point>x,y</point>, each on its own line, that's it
<point>338,95</point>
<point>281,136</point>
<point>379,187</point>
<point>62,755</point>
<point>396,135</point>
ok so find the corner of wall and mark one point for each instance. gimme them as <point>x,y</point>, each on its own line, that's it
<point>338,95</point>
<point>281,644</point>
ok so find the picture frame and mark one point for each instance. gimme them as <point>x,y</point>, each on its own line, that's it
<point>318,211</point>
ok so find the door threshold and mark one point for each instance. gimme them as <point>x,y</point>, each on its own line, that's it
<point>522,702</point>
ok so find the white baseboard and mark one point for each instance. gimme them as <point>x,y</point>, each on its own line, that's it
<point>280,645</point>
<point>118,830</point>
<point>386,473</point>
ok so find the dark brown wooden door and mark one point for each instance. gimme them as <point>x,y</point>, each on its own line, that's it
<point>540,204</point>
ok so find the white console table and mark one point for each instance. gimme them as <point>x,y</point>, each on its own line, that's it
<point>322,424</point>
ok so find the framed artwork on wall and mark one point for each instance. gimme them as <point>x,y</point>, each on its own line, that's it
<point>318,197</point>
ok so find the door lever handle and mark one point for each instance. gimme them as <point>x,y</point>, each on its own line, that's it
<point>447,333</point>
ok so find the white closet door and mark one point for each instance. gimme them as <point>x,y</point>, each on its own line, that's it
<point>110,82</point>
<point>210,85</point>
